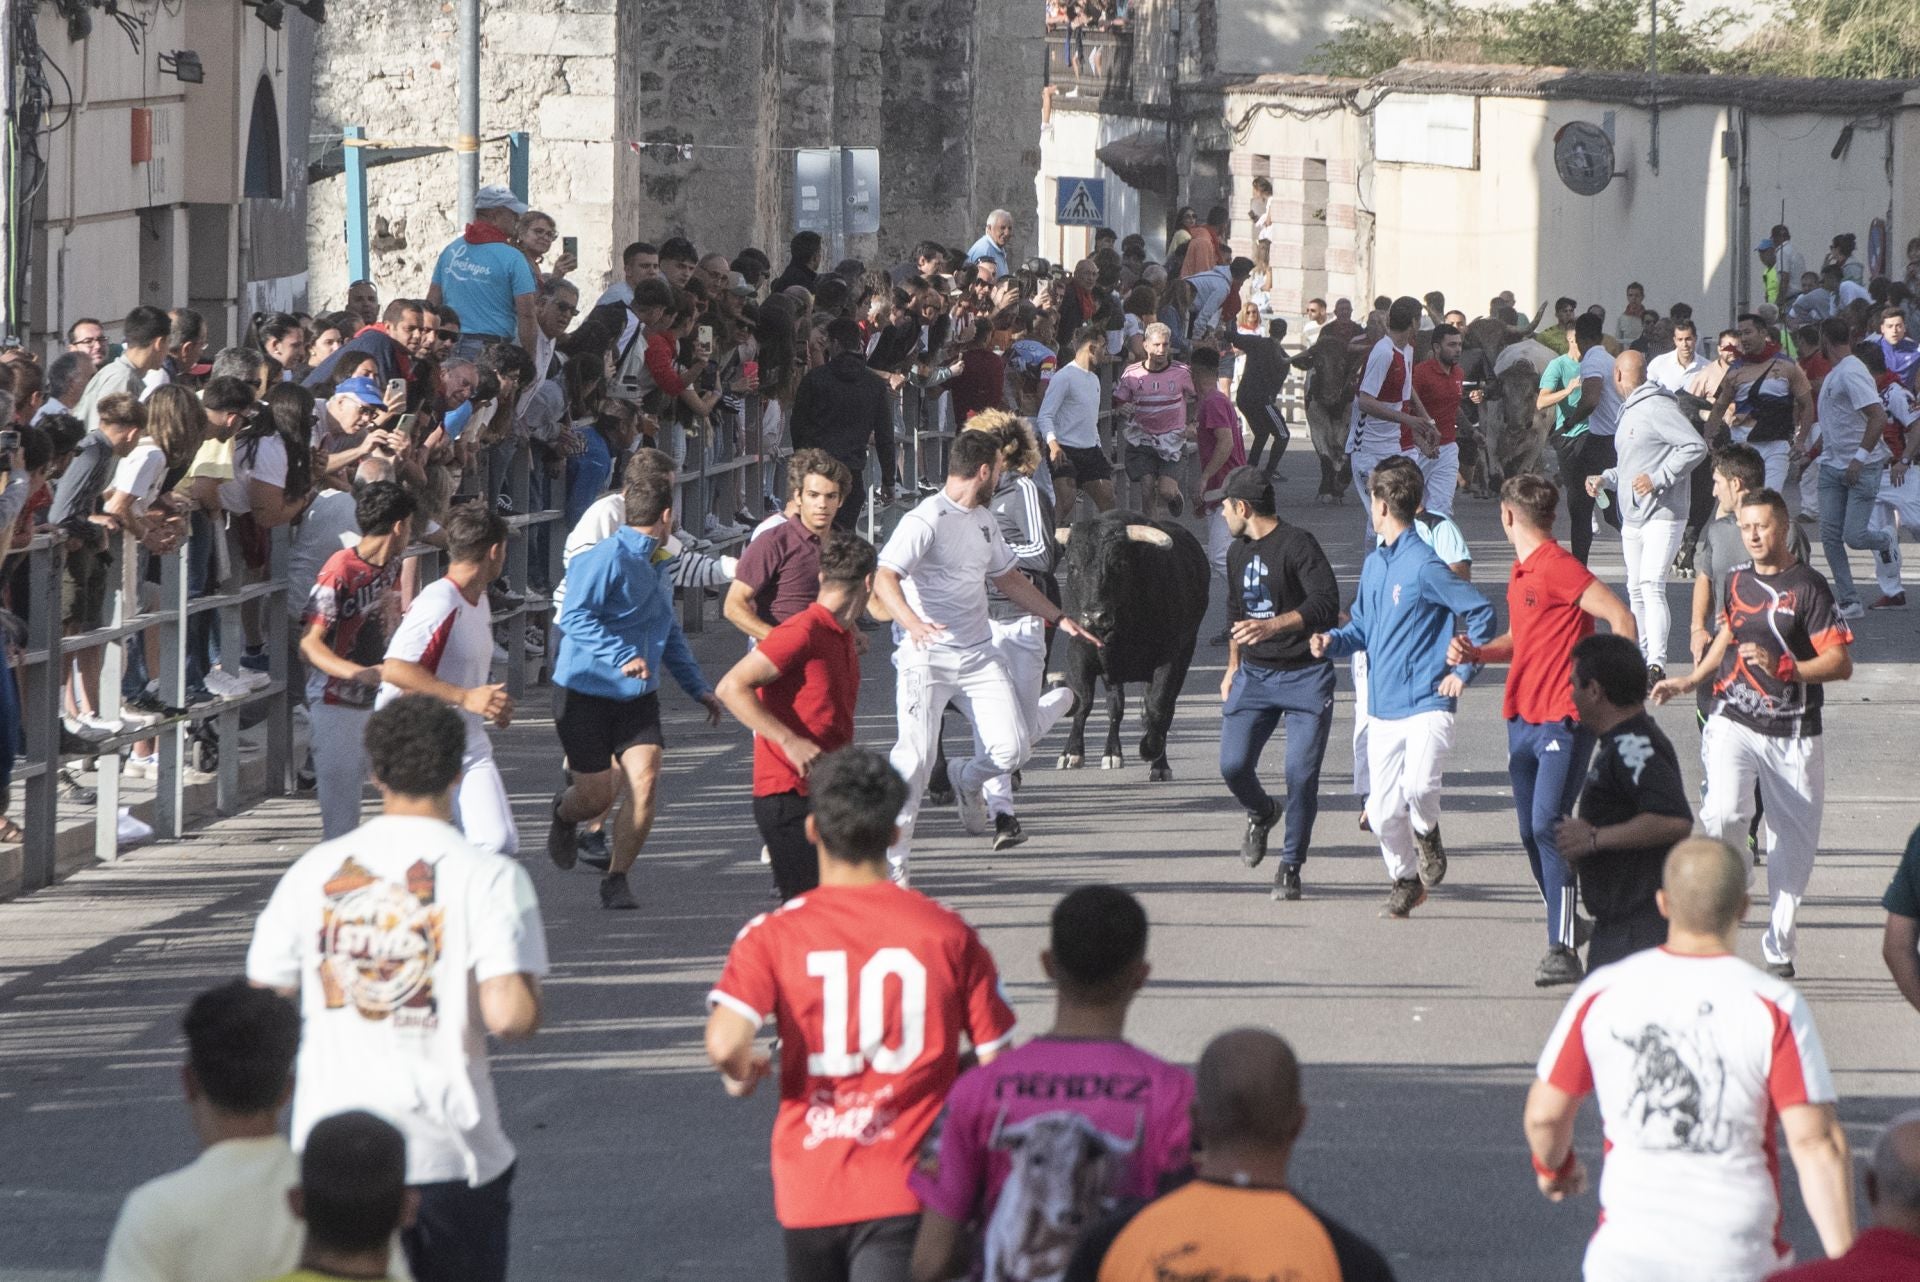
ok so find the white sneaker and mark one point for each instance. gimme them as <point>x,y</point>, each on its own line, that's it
<point>80,727</point>
<point>132,831</point>
<point>95,725</point>
<point>254,680</point>
<point>141,768</point>
<point>225,685</point>
<point>1852,610</point>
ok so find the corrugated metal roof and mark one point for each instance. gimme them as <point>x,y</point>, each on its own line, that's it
<point>1756,93</point>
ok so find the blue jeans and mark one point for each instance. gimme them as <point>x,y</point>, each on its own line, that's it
<point>1257,701</point>
<point>1547,764</point>
<point>587,476</point>
<point>1844,510</point>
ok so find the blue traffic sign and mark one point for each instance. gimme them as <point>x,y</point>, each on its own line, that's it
<point>1080,202</point>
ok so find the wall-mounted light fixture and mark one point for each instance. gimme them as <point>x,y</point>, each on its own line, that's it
<point>184,66</point>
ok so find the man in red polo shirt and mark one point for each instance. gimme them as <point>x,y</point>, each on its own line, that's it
<point>1552,601</point>
<point>779,573</point>
<point>1890,1250</point>
<point>796,691</point>
<point>1439,382</point>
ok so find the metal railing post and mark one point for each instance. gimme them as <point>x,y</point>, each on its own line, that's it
<point>40,711</point>
<point>281,767</point>
<point>169,797</point>
<point>359,244</point>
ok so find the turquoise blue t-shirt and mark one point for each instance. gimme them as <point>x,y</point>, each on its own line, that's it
<point>1560,371</point>
<point>481,282</point>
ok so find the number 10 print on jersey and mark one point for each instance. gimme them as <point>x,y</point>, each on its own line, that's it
<point>871,988</point>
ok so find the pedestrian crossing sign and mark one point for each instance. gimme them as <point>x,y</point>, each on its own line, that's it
<point>1080,202</point>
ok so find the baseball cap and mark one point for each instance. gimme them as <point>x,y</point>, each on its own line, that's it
<point>497,197</point>
<point>1763,246</point>
<point>1249,485</point>
<point>364,390</point>
<point>738,284</point>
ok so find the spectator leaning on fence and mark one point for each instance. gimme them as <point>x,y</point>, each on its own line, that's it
<point>487,277</point>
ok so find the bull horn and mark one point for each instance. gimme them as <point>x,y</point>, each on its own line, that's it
<point>1150,534</point>
<point>1061,533</point>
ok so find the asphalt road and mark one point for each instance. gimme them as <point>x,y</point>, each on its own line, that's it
<point>1418,1036</point>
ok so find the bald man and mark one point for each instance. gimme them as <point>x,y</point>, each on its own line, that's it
<point>1236,1218</point>
<point>1890,1250</point>
<point>1657,448</point>
<point>1691,1053</point>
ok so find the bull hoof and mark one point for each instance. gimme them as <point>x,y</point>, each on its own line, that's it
<point>1069,761</point>
<point>1160,774</point>
<point>1112,761</point>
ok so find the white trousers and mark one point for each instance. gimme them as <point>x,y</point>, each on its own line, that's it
<point>1792,777</point>
<point>1406,757</point>
<point>927,680</point>
<point>339,765</point>
<point>1362,776</point>
<point>1442,473</point>
<point>1776,455</point>
<point>1616,1254</point>
<point>1649,546</point>
<point>1897,506</point>
<point>481,807</point>
<point>1021,645</point>
<point>1363,464</point>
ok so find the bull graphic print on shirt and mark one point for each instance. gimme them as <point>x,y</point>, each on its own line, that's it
<point>1679,1090</point>
<point>1060,1184</point>
<point>1254,597</point>
<point>379,941</point>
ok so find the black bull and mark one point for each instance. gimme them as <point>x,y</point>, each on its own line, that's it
<point>1140,586</point>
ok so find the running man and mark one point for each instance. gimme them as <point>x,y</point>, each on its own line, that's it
<point>1281,590</point>
<point>1386,408</point>
<point>1127,1134</point>
<point>932,582</point>
<point>870,987</point>
<point>1440,383</point>
<point>444,648</point>
<point>344,642</point>
<point>796,691</point>
<point>1692,1055</point>
<point>1781,638</point>
<point>617,630</point>
<point>1403,617</point>
<point>1552,601</point>
<point>779,572</point>
<point>1156,401</point>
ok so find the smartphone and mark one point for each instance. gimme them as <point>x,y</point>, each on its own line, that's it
<point>706,338</point>
<point>404,424</point>
<point>396,387</point>
<point>570,246</point>
<point>9,441</point>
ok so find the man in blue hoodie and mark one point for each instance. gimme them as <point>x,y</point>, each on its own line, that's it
<point>1403,618</point>
<point>617,630</point>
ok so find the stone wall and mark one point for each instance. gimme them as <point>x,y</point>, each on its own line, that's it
<point>719,96</point>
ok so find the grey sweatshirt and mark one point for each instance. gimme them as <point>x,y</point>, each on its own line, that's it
<point>1655,440</point>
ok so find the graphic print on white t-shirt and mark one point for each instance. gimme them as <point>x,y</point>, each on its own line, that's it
<point>944,555</point>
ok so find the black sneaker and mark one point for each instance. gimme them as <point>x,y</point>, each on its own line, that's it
<point>1006,832</point>
<point>1780,970</point>
<point>1407,894</point>
<point>593,848</point>
<point>1176,504</point>
<point>1366,824</point>
<point>1433,857</point>
<point>304,779</point>
<point>71,789</point>
<point>1559,966</point>
<point>1253,846</point>
<point>1656,673</point>
<point>1682,567</point>
<point>562,840</point>
<point>614,892</point>
<point>1287,885</point>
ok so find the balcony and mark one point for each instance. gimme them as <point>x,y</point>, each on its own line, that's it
<point>1090,64</point>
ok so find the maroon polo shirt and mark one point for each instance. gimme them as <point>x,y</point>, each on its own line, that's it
<point>782,567</point>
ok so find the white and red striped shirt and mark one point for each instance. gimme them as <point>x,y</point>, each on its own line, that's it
<point>1691,1060</point>
<point>452,638</point>
<point>1388,377</point>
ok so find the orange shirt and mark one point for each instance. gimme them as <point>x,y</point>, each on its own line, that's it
<point>1208,1230</point>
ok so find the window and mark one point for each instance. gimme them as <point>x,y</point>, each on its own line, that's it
<point>265,172</point>
<point>1427,129</point>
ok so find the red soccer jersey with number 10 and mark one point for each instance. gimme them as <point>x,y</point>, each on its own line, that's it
<point>871,988</point>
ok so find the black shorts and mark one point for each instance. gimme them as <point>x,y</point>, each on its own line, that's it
<point>594,731</point>
<point>1144,461</point>
<point>869,1251</point>
<point>782,819</point>
<point>1084,463</point>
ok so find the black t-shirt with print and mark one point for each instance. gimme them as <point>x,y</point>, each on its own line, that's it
<point>1792,611</point>
<point>1635,771</point>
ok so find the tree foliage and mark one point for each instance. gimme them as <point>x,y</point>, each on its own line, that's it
<point>1853,39</point>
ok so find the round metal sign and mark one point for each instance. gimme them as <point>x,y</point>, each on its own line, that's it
<point>1583,156</point>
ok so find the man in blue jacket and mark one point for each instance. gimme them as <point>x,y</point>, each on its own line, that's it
<point>1403,618</point>
<point>617,630</point>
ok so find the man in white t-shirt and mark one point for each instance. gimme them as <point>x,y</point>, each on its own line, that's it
<point>932,581</point>
<point>1692,1056</point>
<point>444,648</point>
<point>1674,370</point>
<point>1386,402</point>
<point>1853,422</point>
<point>393,938</point>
